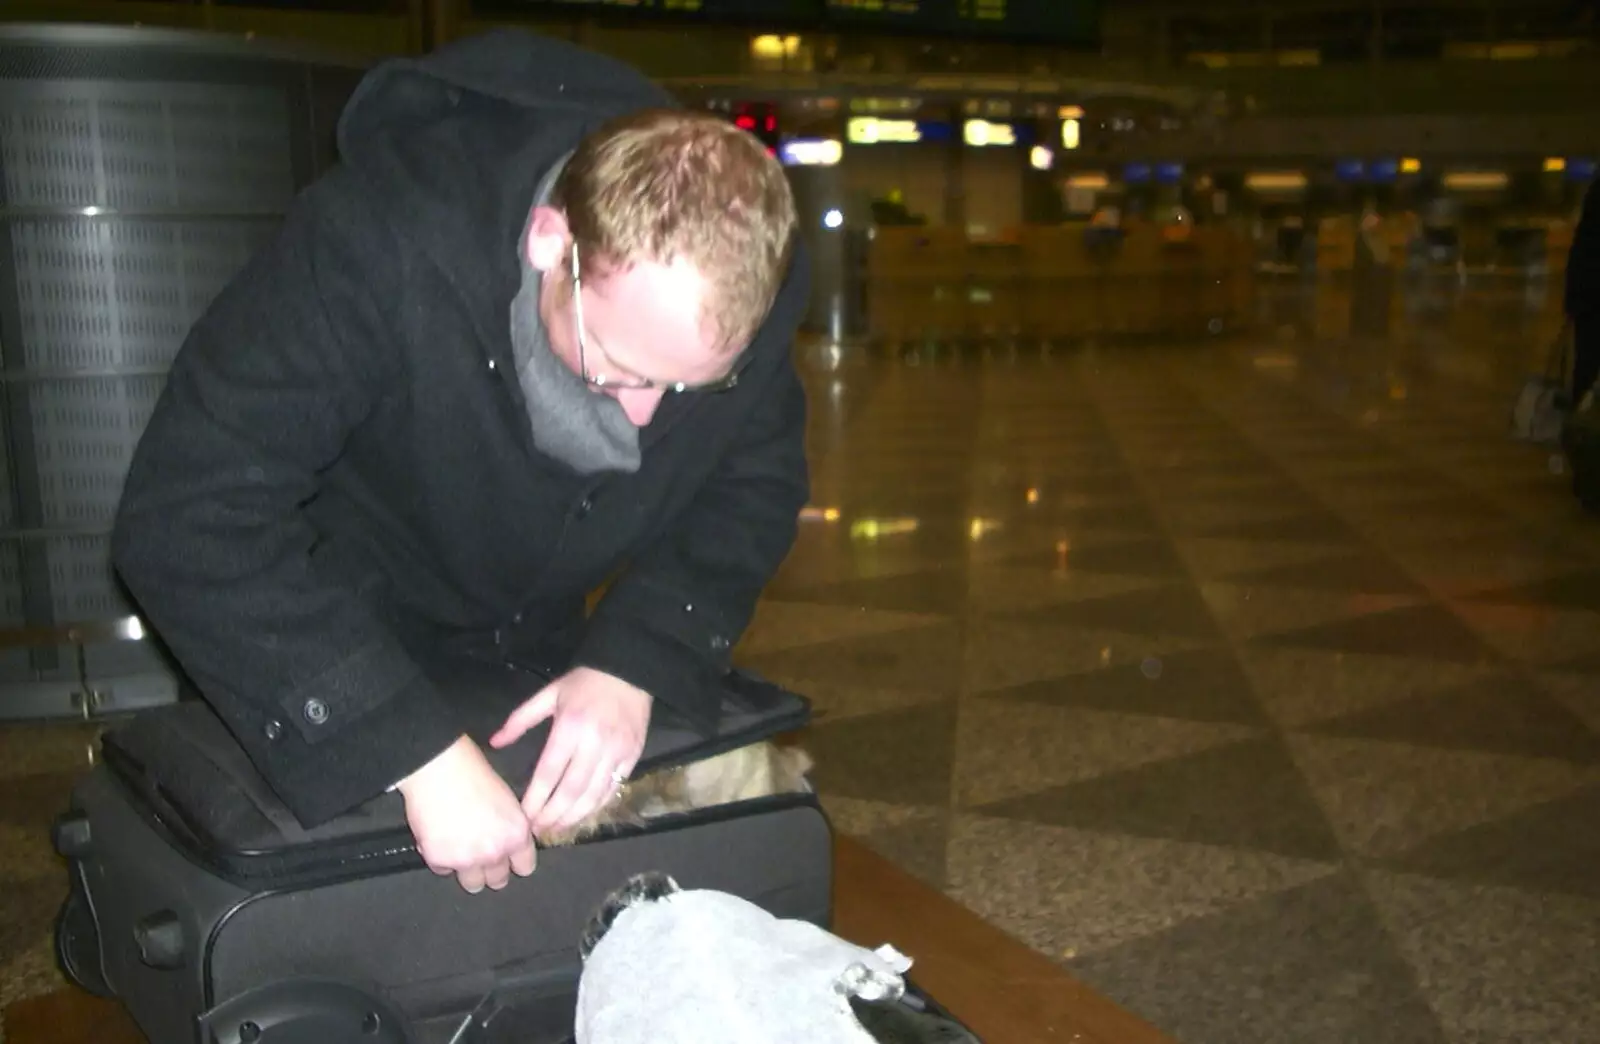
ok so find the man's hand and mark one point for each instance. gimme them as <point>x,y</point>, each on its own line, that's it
<point>595,740</point>
<point>466,819</point>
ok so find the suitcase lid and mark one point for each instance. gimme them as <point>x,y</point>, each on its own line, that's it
<point>201,789</point>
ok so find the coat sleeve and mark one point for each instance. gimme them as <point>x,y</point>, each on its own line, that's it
<point>668,623</point>
<point>212,543</point>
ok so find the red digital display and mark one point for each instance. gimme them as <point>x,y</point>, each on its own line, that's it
<point>760,119</point>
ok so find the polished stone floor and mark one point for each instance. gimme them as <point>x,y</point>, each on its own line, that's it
<point>1257,680</point>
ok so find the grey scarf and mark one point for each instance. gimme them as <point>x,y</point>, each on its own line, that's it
<point>582,428</point>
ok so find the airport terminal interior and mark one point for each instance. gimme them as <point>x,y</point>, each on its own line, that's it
<point>1174,592</point>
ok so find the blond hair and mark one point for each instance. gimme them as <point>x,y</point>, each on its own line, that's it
<point>667,184</point>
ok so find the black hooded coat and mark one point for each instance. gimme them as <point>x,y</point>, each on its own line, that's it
<point>338,494</point>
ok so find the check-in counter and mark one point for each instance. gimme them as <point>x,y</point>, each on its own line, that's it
<point>1057,283</point>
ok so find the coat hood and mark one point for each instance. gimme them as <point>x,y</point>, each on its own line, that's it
<point>451,149</point>
<point>514,66</point>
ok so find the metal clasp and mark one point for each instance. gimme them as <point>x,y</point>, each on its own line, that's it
<point>88,698</point>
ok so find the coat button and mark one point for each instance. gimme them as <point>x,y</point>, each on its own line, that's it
<point>584,507</point>
<point>273,730</point>
<point>316,711</point>
<point>718,642</point>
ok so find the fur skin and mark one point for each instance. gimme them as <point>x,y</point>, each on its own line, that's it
<point>742,774</point>
<point>638,890</point>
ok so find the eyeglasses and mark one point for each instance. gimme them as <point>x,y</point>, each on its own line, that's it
<point>721,384</point>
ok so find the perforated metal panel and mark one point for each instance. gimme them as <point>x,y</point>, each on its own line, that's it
<point>85,431</point>
<point>140,170</point>
<point>10,587</point>
<point>115,293</point>
<point>181,146</point>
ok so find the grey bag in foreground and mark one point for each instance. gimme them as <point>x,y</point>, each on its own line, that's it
<point>200,904</point>
<point>743,977</point>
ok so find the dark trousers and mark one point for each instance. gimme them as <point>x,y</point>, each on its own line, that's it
<point>1585,355</point>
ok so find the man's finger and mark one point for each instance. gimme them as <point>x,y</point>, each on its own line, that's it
<point>574,782</point>
<point>498,875</point>
<point>471,879</point>
<point>602,787</point>
<point>558,751</point>
<point>525,859</point>
<point>525,717</point>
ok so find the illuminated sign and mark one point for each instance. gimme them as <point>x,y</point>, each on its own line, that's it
<point>811,152</point>
<point>1476,180</point>
<point>774,47</point>
<point>1275,181</point>
<point>869,130</point>
<point>982,133</point>
<point>874,528</point>
<point>1071,133</point>
<point>1041,158</point>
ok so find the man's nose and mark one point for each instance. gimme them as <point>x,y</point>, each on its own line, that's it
<point>639,404</point>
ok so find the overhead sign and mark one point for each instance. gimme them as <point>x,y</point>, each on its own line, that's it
<point>811,152</point>
<point>871,130</point>
<point>984,133</point>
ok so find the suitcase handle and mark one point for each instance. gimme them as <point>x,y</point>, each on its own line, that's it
<point>155,796</point>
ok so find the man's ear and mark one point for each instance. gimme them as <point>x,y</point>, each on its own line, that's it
<point>546,246</point>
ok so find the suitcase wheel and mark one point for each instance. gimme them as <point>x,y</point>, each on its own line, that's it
<point>78,946</point>
<point>298,1011</point>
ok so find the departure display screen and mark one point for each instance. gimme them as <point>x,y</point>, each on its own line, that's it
<point>1060,22</point>
<point>779,12</point>
<point>1049,22</point>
